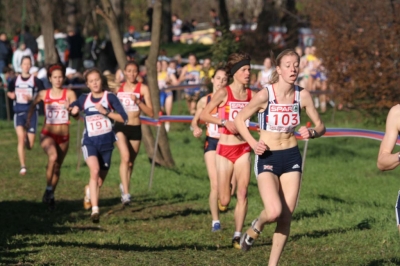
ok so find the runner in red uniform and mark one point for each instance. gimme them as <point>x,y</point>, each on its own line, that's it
<point>134,97</point>
<point>233,153</point>
<point>54,138</point>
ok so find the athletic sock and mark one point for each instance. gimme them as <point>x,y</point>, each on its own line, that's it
<point>95,209</point>
<point>214,222</point>
<point>237,234</point>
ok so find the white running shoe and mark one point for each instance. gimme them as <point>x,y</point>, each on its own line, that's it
<point>126,199</point>
<point>22,171</point>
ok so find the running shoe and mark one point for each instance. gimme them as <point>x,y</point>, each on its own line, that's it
<point>86,200</point>
<point>248,238</point>
<point>22,171</point>
<point>95,217</point>
<point>126,199</point>
<point>216,227</point>
<point>47,196</point>
<point>221,207</point>
<point>236,242</point>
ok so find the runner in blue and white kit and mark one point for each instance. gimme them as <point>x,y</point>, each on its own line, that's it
<point>23,89</point>
<point>278,160</point>
<point>98,136</point>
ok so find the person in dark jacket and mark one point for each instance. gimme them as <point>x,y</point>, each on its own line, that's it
<point>76,43</point>
<point>5,51</point>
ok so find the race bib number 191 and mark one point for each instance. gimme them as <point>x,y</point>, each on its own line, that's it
<point>98,125</point>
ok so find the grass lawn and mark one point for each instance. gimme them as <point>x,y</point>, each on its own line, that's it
<point>345,214</point>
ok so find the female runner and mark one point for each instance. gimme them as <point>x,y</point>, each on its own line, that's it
<point>233,153</point>
<point>219,80</point>
<point>98,136</point>
<point>54,138</point>
<point>131,95</point>
<point>23,89</point>
<point>278,160</point>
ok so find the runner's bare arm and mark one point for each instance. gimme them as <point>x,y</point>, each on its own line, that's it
<point>146,106</point>
<point>39,97</point>
<point>200,107</point>
<point>387,160</point>
<point>258,102</point>
<point>219,97</point>
<point>307,102</point>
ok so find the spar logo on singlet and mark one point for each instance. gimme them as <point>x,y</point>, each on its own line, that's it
<point>283,117</point>
<point>235,108</point>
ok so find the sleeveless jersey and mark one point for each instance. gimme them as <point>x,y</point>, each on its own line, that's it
<point>98,128</point>
<point>231,108</point>
<point>55,111</point>
<point>24,88</point>
<point>280,117</point>
<point>126,100</point>
<point>212,129</point>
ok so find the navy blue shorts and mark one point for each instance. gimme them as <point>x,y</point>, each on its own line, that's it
<point>278,162</point>
<point>210,144</point>
<point>20,120</point>
<point>102,154</point>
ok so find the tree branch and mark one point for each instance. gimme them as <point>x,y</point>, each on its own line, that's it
<point>100,12</point>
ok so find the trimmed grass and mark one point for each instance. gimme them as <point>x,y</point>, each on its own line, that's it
<point>345,214</point>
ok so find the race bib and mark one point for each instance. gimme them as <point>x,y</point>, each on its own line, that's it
<point>235,108</point>
<point>127,102</point>
<point>212,129</point>
<point>21,93</point>
<point>97,125</point>
<point>56,114</point>
<point>283,117</point>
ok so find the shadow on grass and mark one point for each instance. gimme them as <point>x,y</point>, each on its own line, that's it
<point>365,224</point>
<point>313,214</point>
<point>11,258</point>
<point>394,261</point>
<point>181,213</point>
<point>332,198</point>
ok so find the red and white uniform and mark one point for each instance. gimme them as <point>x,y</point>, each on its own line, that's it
<point>56,112</point>
<point>126,100</point>
<point>231,108</point>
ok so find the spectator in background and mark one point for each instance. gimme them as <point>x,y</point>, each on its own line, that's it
<point>61,43</point>
<point>214,18</point>
<point>176,26</point>
<point>18,54</point>
<point>193,25</point>
<point>29,40</point>
<point>186,27</point>
<point>254,23</point>
<point>91,51</point>
<point>73,77</point>
<point>191,75</point>
<point>207,71</point>
<point>40,57</point>
<point>265,74</point>
<point>178,59</point>
<point>5,51</point>
<point>76,43</point>
<point>15,40</point>
<point>242,21</point>
<point>107,59</point>
<point>8,75</point>
<point>131,36</point>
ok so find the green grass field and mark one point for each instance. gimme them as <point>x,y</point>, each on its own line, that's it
<point>345,214</point>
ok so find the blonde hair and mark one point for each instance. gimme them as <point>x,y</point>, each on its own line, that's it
<point>277,62</point>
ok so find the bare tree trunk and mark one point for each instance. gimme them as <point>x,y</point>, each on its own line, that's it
<point>117,6</point>
<point>291,21</point>
<point>224,17</point>
<point>153,84</point>
<point>46,23</point>
<point>108,14</point>
<point>266,18</point>
<point>70,11</point>
<point>166,22</point>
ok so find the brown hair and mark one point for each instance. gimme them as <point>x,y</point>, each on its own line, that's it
<point>234,59</point>
<point>51,68</point>
<point>219,69</point>
<point>103,79</point>
<point>132,63</point>
<point>277,62</point>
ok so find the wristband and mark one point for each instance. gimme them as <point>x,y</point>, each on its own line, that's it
<point>312,133</point>
<point>107,113</point>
